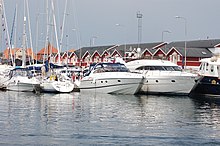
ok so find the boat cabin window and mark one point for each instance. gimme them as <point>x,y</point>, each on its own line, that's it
<point>212,68</point>
<point>169,68</point>
<point>207,66</point>
<point>161,68</point>
<point>20,72</point>
<point>218,70</point>
<point>177,68</point>
<point>158,68</point>
<point>201,66</point>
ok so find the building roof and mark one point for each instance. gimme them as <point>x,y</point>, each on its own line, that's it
<point>195,52</point>
<point>195,44</point>
<point>49,50</point>
<point>142,46</point>
<point>14,50</point>
<point>91,50</point>
<point>71,50</point>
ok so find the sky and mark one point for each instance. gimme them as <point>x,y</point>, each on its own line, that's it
<point>110,22</point>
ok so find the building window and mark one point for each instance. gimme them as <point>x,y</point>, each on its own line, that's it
<point>178,57</point>
<point>160,55</point>
<point>171,58</point>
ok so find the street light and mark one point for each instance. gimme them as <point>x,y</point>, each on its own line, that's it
<point>165,31</point>
<point>185,21</point>
<point>78,41</point>
<point>92,40</point>
<point>139,17</point>
<point>120,25</point>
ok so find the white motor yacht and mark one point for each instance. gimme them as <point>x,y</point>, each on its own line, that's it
<point>112,78</point>
<point>163,77</point>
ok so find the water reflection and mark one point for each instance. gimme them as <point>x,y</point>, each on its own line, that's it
<point>83,119</point>
<point>207,114</point>
<point>181,116</point>
<point>55,108</point>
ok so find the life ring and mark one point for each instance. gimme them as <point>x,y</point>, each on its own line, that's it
<point>213,81</point>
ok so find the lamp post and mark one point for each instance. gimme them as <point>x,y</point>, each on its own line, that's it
<point>67,48</point>
<point>139,18</point>
<point>78,44</point>
<point>92,40</point>
<point>165,31</point>
<point>123,26</point>
<point>185,21</point>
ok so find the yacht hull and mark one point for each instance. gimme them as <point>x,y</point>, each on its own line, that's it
<point>206,87</point>
<point>21,87</point>
<point>57,87</point>
<point>3,81</point>
<point>112,83</point>
<point>23,84</point>
<point>170,85</point>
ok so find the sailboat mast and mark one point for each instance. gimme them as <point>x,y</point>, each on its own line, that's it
<point>13,25</point>
<point>24,40</point>
<point>47,35</point>
<point>62,30</point>
<point>1,12</point>
<point>55,28</point>
<point>24,45</point>
<point>37,27</point>
<point>12,32</point>
<point>30,34</point>
<point>7,33</point>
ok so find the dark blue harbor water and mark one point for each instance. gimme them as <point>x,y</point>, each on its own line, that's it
<point>80,119</point>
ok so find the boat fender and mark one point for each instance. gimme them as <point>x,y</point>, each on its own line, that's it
<point>73,77</point>
<point>94,81</point>
<point>52,77</point>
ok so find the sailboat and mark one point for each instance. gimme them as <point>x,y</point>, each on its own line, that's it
<point>20,78</point>
<point>56,83</point>
<point>4,68</point>
<point>4,75</point>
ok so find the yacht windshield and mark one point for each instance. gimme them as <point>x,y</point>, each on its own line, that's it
<point>20,72</point>
<point>111,67</point>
